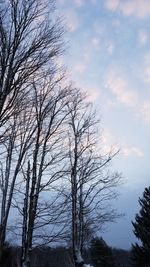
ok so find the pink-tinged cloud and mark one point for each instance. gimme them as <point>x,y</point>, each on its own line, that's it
<point>108,139</point>
<point>71,20</point>
<point>142,37</point>
<point>93,92</point>
<point>132,151</point>
<point>137,8</point>
<point>80,67</point>
<point>119,88</point>
<point>79,3</point>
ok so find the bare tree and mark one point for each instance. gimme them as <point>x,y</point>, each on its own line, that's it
<point>92,185</point>
<point>13,154</point>
<point>46,163</point>
<point>30,39</point>
<point>36,112</point>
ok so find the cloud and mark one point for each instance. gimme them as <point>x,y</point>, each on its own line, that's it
<point>108,140</point>
<point>147,58</point>
<point>79,3</point>
<point>80,67</point>
<point>147,74</point>
<point>116,23</point>
<point>96,43</point>
<point>109,143</point>
<point>112,4</point>
<point>92,95</point>
<point>109,103</point>
<point>143,37</point>
<point>94,2</point>
<point>71,20</point>
<point>107,137</point>
<point>145,111</point>
<point>137,8</point>
<point>61,2</point>
<point>119,88</point>
<point>131,151</point>
<point>110,48</point>
<point>93,92</point>
<point>99,28</point>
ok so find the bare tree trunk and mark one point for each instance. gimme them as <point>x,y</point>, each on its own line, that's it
<point>78,260</point>
<point>24,257</point>
<point>81,217</point>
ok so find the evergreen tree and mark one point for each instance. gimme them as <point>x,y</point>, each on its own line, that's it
<point>101,254</point>
<point>141,253</point>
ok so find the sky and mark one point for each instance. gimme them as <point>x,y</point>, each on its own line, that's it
<point>108,55</point>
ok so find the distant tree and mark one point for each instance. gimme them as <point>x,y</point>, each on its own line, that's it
<point>122,257</point>
<point>141,253</point>
<point>101,254</point>
<point>91,184</point>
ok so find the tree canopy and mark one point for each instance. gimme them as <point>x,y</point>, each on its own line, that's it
<point>141,251</point>
<point>101,253</point>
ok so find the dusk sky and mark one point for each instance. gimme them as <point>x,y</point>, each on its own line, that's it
<point>108,56</point>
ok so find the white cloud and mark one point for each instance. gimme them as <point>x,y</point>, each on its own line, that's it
<point>80,67</point>
<point>93,95</point>
<point>145,111</point>
<point>94,2</point>
<point>131,151</point>
<point>107,137</point>
<point>79,3</point>
<point>147,58</point>
<point>143,37</point>
<point>110,104</point>
<point>110,48</point>
<point>93,92</point>
<point>147,74</point>
<point>96,43</point>
<point>71,20</point>
<point>120,89</point>
<point>137,8</point>
<point>108,140</point>
<point>112,4</point>
<point>109,143</point>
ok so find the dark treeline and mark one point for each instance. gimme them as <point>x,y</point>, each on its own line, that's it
<point>59,257</point>
<point>123,257</point>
